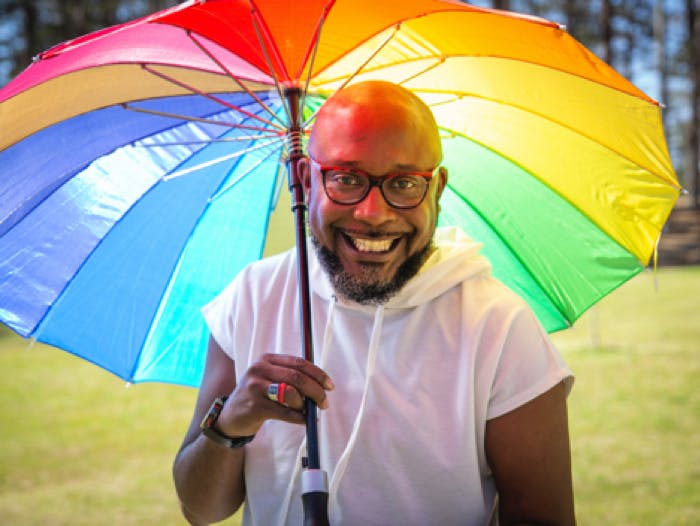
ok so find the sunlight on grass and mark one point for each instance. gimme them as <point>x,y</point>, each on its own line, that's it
<point>635,407</point>
<point>80,448</point>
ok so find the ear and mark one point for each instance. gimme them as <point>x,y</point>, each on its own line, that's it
<point>441,181</point>
<point>305,174</point>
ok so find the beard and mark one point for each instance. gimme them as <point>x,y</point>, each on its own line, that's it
<point>369,288</point>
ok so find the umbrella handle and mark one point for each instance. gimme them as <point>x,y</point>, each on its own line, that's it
<point>314,481</point>
<point>314,496</point>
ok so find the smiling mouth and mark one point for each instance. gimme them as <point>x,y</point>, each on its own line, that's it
<point>374,246</point>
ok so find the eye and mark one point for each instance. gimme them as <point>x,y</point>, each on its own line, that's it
<point>339,178</point>
<point>404,183</point>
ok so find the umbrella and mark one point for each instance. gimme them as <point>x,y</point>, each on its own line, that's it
<point>140,163</point>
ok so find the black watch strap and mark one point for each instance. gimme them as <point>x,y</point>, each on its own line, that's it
<point>208,430</point>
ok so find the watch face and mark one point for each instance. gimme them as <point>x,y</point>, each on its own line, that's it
<point>208,430</point>
<point>213,413</point>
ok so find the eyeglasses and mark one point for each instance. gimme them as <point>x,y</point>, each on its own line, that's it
<point>349,186</point>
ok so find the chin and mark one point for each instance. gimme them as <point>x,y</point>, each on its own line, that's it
<point>373,284</point>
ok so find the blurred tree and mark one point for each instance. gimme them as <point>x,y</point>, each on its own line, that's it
<point>28,27</point>
<point>632,35</point>
<point>693,52</point>
<point>606,31</point>
<point>662,69</point>
<point>17,44</point>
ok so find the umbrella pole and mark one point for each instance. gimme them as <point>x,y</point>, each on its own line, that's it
<point>314,481</point>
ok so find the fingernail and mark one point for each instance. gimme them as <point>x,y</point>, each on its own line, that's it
<point>328,384</point>
<point>324,404</point>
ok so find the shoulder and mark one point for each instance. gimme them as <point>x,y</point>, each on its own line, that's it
<point>488,298</point>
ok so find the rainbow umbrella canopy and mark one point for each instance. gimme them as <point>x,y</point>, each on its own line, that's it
<point>139,164</point>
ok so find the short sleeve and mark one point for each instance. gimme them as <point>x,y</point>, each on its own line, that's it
<point>528,366</point>
<point>218,315</point>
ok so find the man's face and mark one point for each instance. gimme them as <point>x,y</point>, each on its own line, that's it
<point>371,240</point>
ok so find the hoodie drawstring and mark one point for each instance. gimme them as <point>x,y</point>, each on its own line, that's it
<point>371,366</point>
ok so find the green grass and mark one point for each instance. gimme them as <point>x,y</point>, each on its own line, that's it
<point>77,447</point>
<point>635,408</point>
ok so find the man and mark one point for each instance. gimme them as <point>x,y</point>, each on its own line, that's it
<point>437,387</point>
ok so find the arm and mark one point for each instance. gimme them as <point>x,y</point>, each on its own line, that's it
<point>528,451</point>
<point>209,477</point>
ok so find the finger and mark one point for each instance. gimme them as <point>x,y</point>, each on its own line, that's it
<point>289,396</point>
<point>307,378</point>
<point>303,366</point>
<point>287,414</point>
<point>303,384</point>
<point>249,406</point>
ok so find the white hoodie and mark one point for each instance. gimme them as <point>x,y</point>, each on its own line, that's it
<point>416,380</point>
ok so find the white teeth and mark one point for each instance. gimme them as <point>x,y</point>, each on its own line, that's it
<point>372,245</point>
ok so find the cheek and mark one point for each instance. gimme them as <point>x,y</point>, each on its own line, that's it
<point>423,221</point>
<point>321,214</point>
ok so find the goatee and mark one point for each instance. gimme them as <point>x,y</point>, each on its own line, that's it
<point>368,288</point>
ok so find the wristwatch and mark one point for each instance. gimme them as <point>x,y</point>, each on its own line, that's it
<point>208,430</point>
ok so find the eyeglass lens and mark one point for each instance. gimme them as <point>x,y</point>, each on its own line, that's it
<point>400,190</point>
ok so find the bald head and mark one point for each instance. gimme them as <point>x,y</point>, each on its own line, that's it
<point>370,110</point>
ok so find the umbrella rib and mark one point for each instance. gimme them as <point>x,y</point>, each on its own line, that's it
<point>179,116</point>
<point>235,78</point>
<point>209,96</point>
<point>660,176</point>
<point>440,60</point>
<point>397,27</point>
<point>509,247</point>
<point>207,141</point>
<point>253,14</point>
<point>598,224</point>
<point>218,160</point>
<point>260,24</point>
<point>233,183</point>
<point>359,69</point>
<point>312,61</point>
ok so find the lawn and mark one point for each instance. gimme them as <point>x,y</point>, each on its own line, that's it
<point>79,447</point>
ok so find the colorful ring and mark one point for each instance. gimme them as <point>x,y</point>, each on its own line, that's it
<point>280,392</point>
<point>275,392</point>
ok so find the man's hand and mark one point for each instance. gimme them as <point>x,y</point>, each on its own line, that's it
<point>249,406</point>
<point>209,477</point>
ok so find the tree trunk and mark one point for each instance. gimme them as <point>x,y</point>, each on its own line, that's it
<point>661,53</point>
<point>501,4</point>
<point>694,63</point>
<point>606,31</point>
<point>30,30</point>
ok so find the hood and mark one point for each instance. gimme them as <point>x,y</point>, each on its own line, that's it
<point>455,259</point>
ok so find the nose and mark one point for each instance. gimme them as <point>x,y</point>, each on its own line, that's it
<point>374,209</point>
